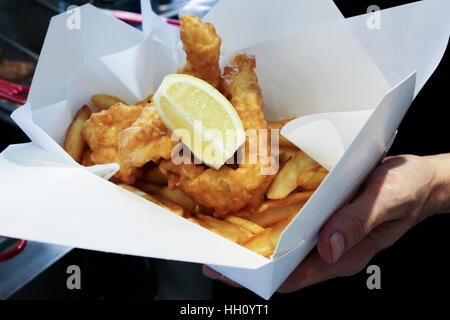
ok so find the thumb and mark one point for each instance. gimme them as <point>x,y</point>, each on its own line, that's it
<point>348,226</point>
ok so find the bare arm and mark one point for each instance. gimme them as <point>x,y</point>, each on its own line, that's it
<point>439,200</point>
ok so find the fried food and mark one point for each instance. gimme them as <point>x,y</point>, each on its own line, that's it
<point>240,233</point>
<point>104,101</point>
<point>86,158</point>
<point>154,175</point>
<point>277,125</point>
<point>286,153</point>
<point>265,242</point>
<point>146,101</point>
<point>310,180</point>
<point>221,232</point>
<point>228,190</point>
<point>147,139</point>
<point>147,186</point>
<point>246,224</point>
<point>247,202</point>
<point>273,215</point>
<point>101,132</point>
<point>202,47</point>
<point>286,180</point>
<point>179,197</point>
<point>162,202</point>
<point>74,142</point>
<point>294,197</point>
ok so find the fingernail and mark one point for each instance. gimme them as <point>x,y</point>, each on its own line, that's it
<point>337,246</point>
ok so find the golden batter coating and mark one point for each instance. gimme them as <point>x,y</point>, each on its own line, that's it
<point>202,46</point>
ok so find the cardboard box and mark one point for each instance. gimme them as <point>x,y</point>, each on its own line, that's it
<point>349,81</point>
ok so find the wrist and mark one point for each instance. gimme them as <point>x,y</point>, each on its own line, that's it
<point>438,200</point>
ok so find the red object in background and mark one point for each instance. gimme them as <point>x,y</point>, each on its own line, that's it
<point>16,93</point>
<point>136,18</point>
<point>12,92</point>
<point>14,251</point>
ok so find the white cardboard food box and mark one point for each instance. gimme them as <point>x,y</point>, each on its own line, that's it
<point>351,81</point>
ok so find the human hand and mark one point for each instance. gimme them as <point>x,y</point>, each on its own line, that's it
<point>397,195</point>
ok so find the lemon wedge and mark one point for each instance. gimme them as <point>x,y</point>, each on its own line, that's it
<point>204,120</point>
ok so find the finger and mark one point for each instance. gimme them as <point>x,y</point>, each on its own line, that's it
<point>352,223</point>
<point>213,274</point>
<point>379,200</point>
<point>313,269</point>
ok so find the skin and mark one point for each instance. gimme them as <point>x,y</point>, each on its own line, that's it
<point>400,193</point>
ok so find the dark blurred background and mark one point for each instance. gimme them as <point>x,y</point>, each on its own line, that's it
<point>415,266</point>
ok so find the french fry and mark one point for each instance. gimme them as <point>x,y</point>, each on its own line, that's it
<point>155,199</point>
<point>286,153</point>
<point>243,214</point>
<point>176,196</point>
<point>265,242</point>
<point>194,221</point>
<point>274,215</point>
<point>220,232</point>
<point>246,224</point>
<point>104,101</point>
<point>172,206</point>
<point>140,193</point>
<point>290,199</point>
<point>155,176</point>
<point>74,143</point>
<point>283,142</point>
<point>147,187</point>
<point>179,197</point>
<point>286,180</point>
<point>146,101</point>
<point>310,180</point>
<point>240,233</point>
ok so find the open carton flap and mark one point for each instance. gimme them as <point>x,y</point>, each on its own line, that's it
<point>425,50</point>
<point>255,21</point>
<point>356,163</point>
<point>49,202</point>
<point>65,49</point>
<point>411,37</point>
<point>299,76</point>
<point>326,136</point>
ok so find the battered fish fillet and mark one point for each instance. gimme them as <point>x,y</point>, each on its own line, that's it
<point>146,140</point>
<point>202,47</point>
<point>101,133</point>
<point>229,190</point>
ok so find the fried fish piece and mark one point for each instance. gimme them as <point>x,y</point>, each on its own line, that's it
<point>228,190</point>
<point>147,139</point>
<point>101,133</point>
<point>202,46</point>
